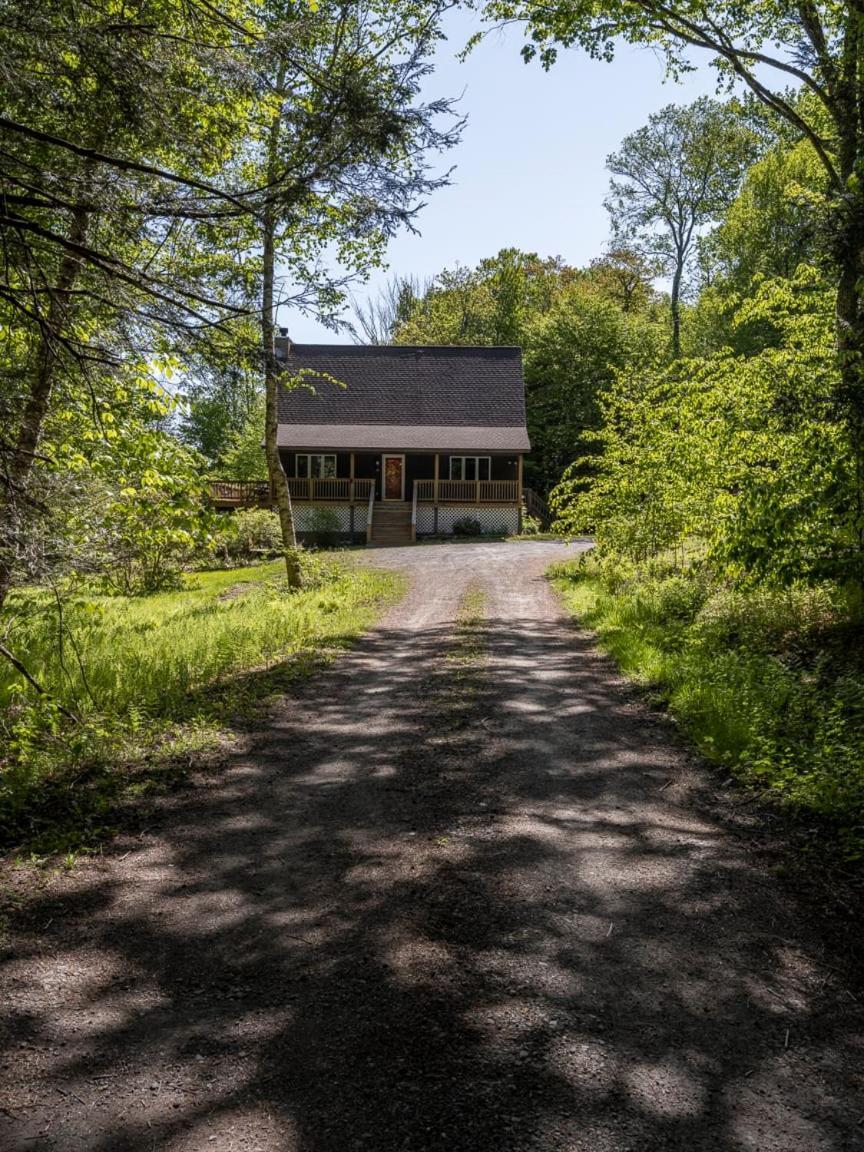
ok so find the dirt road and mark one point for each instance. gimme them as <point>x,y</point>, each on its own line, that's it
<point>457,896</point>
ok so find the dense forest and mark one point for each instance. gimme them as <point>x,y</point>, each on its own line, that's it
<point>173,176</point>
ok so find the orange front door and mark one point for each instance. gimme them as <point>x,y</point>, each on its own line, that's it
<point>394,467</point>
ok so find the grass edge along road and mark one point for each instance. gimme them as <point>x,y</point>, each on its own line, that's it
<point>158,683</point>
<point>763,683</point>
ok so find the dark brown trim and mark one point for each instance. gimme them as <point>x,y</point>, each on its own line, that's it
<point>319,451</point>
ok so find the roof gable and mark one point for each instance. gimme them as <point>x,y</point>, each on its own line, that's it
<point>407,386</point>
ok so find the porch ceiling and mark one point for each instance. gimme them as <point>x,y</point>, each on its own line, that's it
<point>402,438</point>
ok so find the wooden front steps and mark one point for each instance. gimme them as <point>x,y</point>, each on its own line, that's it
<point>391,525</point>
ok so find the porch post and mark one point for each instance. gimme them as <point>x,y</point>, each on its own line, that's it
<point>351,484</point>
<point>435,506</point>
<point>519,491</point>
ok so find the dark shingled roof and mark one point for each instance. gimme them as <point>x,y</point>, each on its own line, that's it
<point>404,397</point>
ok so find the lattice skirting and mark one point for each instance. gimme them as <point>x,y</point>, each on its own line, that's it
<point>494,519</point>
<point>312,519</point>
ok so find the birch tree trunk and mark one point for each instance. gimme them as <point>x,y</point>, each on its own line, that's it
<point>272,384</point>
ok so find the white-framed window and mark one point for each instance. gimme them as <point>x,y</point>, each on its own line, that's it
<point>470,467</point>
<point>317,465</point>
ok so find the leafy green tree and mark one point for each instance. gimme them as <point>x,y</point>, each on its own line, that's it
<point>455,309</point>
<point>671,179</point>
<point>742,454</point>
<point>576,326</point>
<point>776,52</point>
<point>118,126</point>
<point>626,276</point>
<point>223,382</point>
<point>147,152</point>
<point>346,140</point>
<point>489,304</point>
<point>216,411</point>
<point>243,458</point>
<point>777,222</point>
<point>572,354</point>
<point>121,499</point>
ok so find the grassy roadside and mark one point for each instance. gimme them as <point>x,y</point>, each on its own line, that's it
<point>769,684</point>
<point>467,655</point>
<point>157,684</point>
<point>459,681</point>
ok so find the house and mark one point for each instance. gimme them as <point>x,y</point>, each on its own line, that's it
<point>390,443</point>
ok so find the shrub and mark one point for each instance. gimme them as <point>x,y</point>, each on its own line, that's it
<point>767,619</point>
<point>258,532</point>
<point>324,527</point>
<point>224,541</point>
<point>245,535</point>
<point>467,526</point>
<point>150,533</point>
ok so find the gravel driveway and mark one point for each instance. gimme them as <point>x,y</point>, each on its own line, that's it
<point>458,895</point>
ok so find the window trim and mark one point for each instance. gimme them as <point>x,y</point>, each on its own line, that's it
<point>309,457</point>
<point>476,459</point>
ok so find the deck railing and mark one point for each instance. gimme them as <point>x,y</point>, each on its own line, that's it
<point>467,491</point>
<point>536,507</point>
<point>237,494</point>
<point>330,489</point>
<point>233,494</point>
<point>370,511</point>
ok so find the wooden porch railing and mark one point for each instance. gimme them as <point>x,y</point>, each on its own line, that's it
<point>234,494</point>
<point>536,507</point>
<point>238,494</point>
<point>330,489</point>
<point>370,512</point>
<point>467,491</point>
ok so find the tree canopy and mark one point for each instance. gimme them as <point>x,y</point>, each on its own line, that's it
<point>157,163</point>
<point>673,177</point>
<point>576,326</point>
<point>805,64</point>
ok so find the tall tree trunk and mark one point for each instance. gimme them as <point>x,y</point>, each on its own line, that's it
<point>675,307</point>
<point>14,496</point>
<point>272,384</point>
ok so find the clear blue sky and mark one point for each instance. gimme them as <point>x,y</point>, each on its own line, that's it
<point>530,169</point>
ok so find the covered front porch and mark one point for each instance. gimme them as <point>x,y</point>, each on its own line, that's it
<point>394,497</point>
<point>403,477</point>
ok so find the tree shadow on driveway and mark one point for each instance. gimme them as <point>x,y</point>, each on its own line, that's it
<point>446,901</point>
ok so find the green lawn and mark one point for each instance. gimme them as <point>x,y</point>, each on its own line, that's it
<point>156,679</point>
